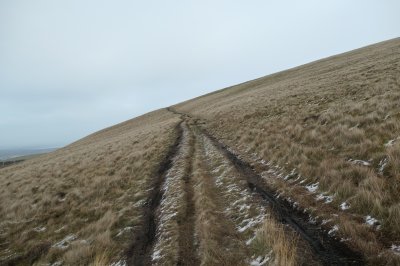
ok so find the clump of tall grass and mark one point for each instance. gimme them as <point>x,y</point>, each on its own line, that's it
<point>272,240</point>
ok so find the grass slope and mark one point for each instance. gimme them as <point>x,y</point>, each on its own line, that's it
<point>325,136</point>
<point>81,202</point>
<point>334,123</point>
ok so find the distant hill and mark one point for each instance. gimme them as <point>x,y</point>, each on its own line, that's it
<point>301,167</point>
<point>14,153</point>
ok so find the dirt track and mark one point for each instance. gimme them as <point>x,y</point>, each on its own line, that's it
<point>172,208</point>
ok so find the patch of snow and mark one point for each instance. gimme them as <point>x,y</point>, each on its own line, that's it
<point>326,221</point>
<point>271,171</point>
<point>139,203</point>
<point>344,206</point>
<point>382,164</point>
<point>64,244</point>
<point>371,221</point>
<point>119,263</point>
<point>59,230</point>
<point>333,230</point>
<point>244,207</point>
<point>312,220</point>
<point>291,174</point>
<point>40,229</point>
<point>251,222</point>
<point>259,261</point>
<point>124,230</point>
<point>57,263</point>
<point>248,242</point>
<point>360,162</point>
<point>156,255</point>
<point>396,249</point>
<point>326,198</point>
<point>313,187</point>
<point>390,143</point>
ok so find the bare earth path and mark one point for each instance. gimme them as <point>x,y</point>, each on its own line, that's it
<point>206,202</point>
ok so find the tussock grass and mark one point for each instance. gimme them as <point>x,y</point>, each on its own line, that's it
<point>272,236</point>
<point>84,199</point>
<point>319,119</point>
<point>334,122</point>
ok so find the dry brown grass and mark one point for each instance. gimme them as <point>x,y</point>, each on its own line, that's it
<point>317,119</point>
<point>334,122</point>
<point>216,233</point>
<point>272,236</point>
<point>234,226</point>
<point>88,195</point>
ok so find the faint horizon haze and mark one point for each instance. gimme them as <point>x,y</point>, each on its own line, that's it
<point>71,68</point>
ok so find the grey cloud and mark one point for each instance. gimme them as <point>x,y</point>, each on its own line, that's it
<point>69,68</point>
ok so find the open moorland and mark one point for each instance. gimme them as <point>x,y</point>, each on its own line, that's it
<point>301,167</point>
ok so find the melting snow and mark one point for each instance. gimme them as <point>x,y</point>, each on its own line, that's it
<point>59,230</point>
<point>40,229</point>
<point>119,263</point>
<point>326,221</point>
<point>344,206</point>
<point>63,244</point>
<point>241,209</point>
<point>371,221</point>
<point>391,142</point>
<point>156,255</point>
<point>312,220</point>
<point>333,230</point>
<point>382,164</point>
<point>248,242</point>
<point>396,249</point>
<point>259,261</point>
<point>291,174</point>
<point>360,162</point>
<point>124,230</point>
<point>313,187</point>
<point>327,198</point>
<point>251,223</point>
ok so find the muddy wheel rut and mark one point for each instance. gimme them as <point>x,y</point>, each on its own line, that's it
<point>187,248</point>
<point>175,230</point>
<point>139,251</point>
<point>328,250</point>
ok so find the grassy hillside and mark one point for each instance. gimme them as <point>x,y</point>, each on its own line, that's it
<point>334,123</point>
<point>301,167</point>
<point>82,202</point>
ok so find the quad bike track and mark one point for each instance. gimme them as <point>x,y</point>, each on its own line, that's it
<point>327,249</point>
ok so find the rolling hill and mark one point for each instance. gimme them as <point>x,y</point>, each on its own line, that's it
<point>301,167</point>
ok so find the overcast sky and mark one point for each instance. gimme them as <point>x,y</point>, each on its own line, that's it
<point>71,67</point>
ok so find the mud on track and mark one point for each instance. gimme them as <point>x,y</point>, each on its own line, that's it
<point>144,236</point>
<point>328,250</point>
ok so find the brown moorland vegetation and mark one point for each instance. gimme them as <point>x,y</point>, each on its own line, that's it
<point>327,136</point>
<point>243,176</point>
<point>80,204</point>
